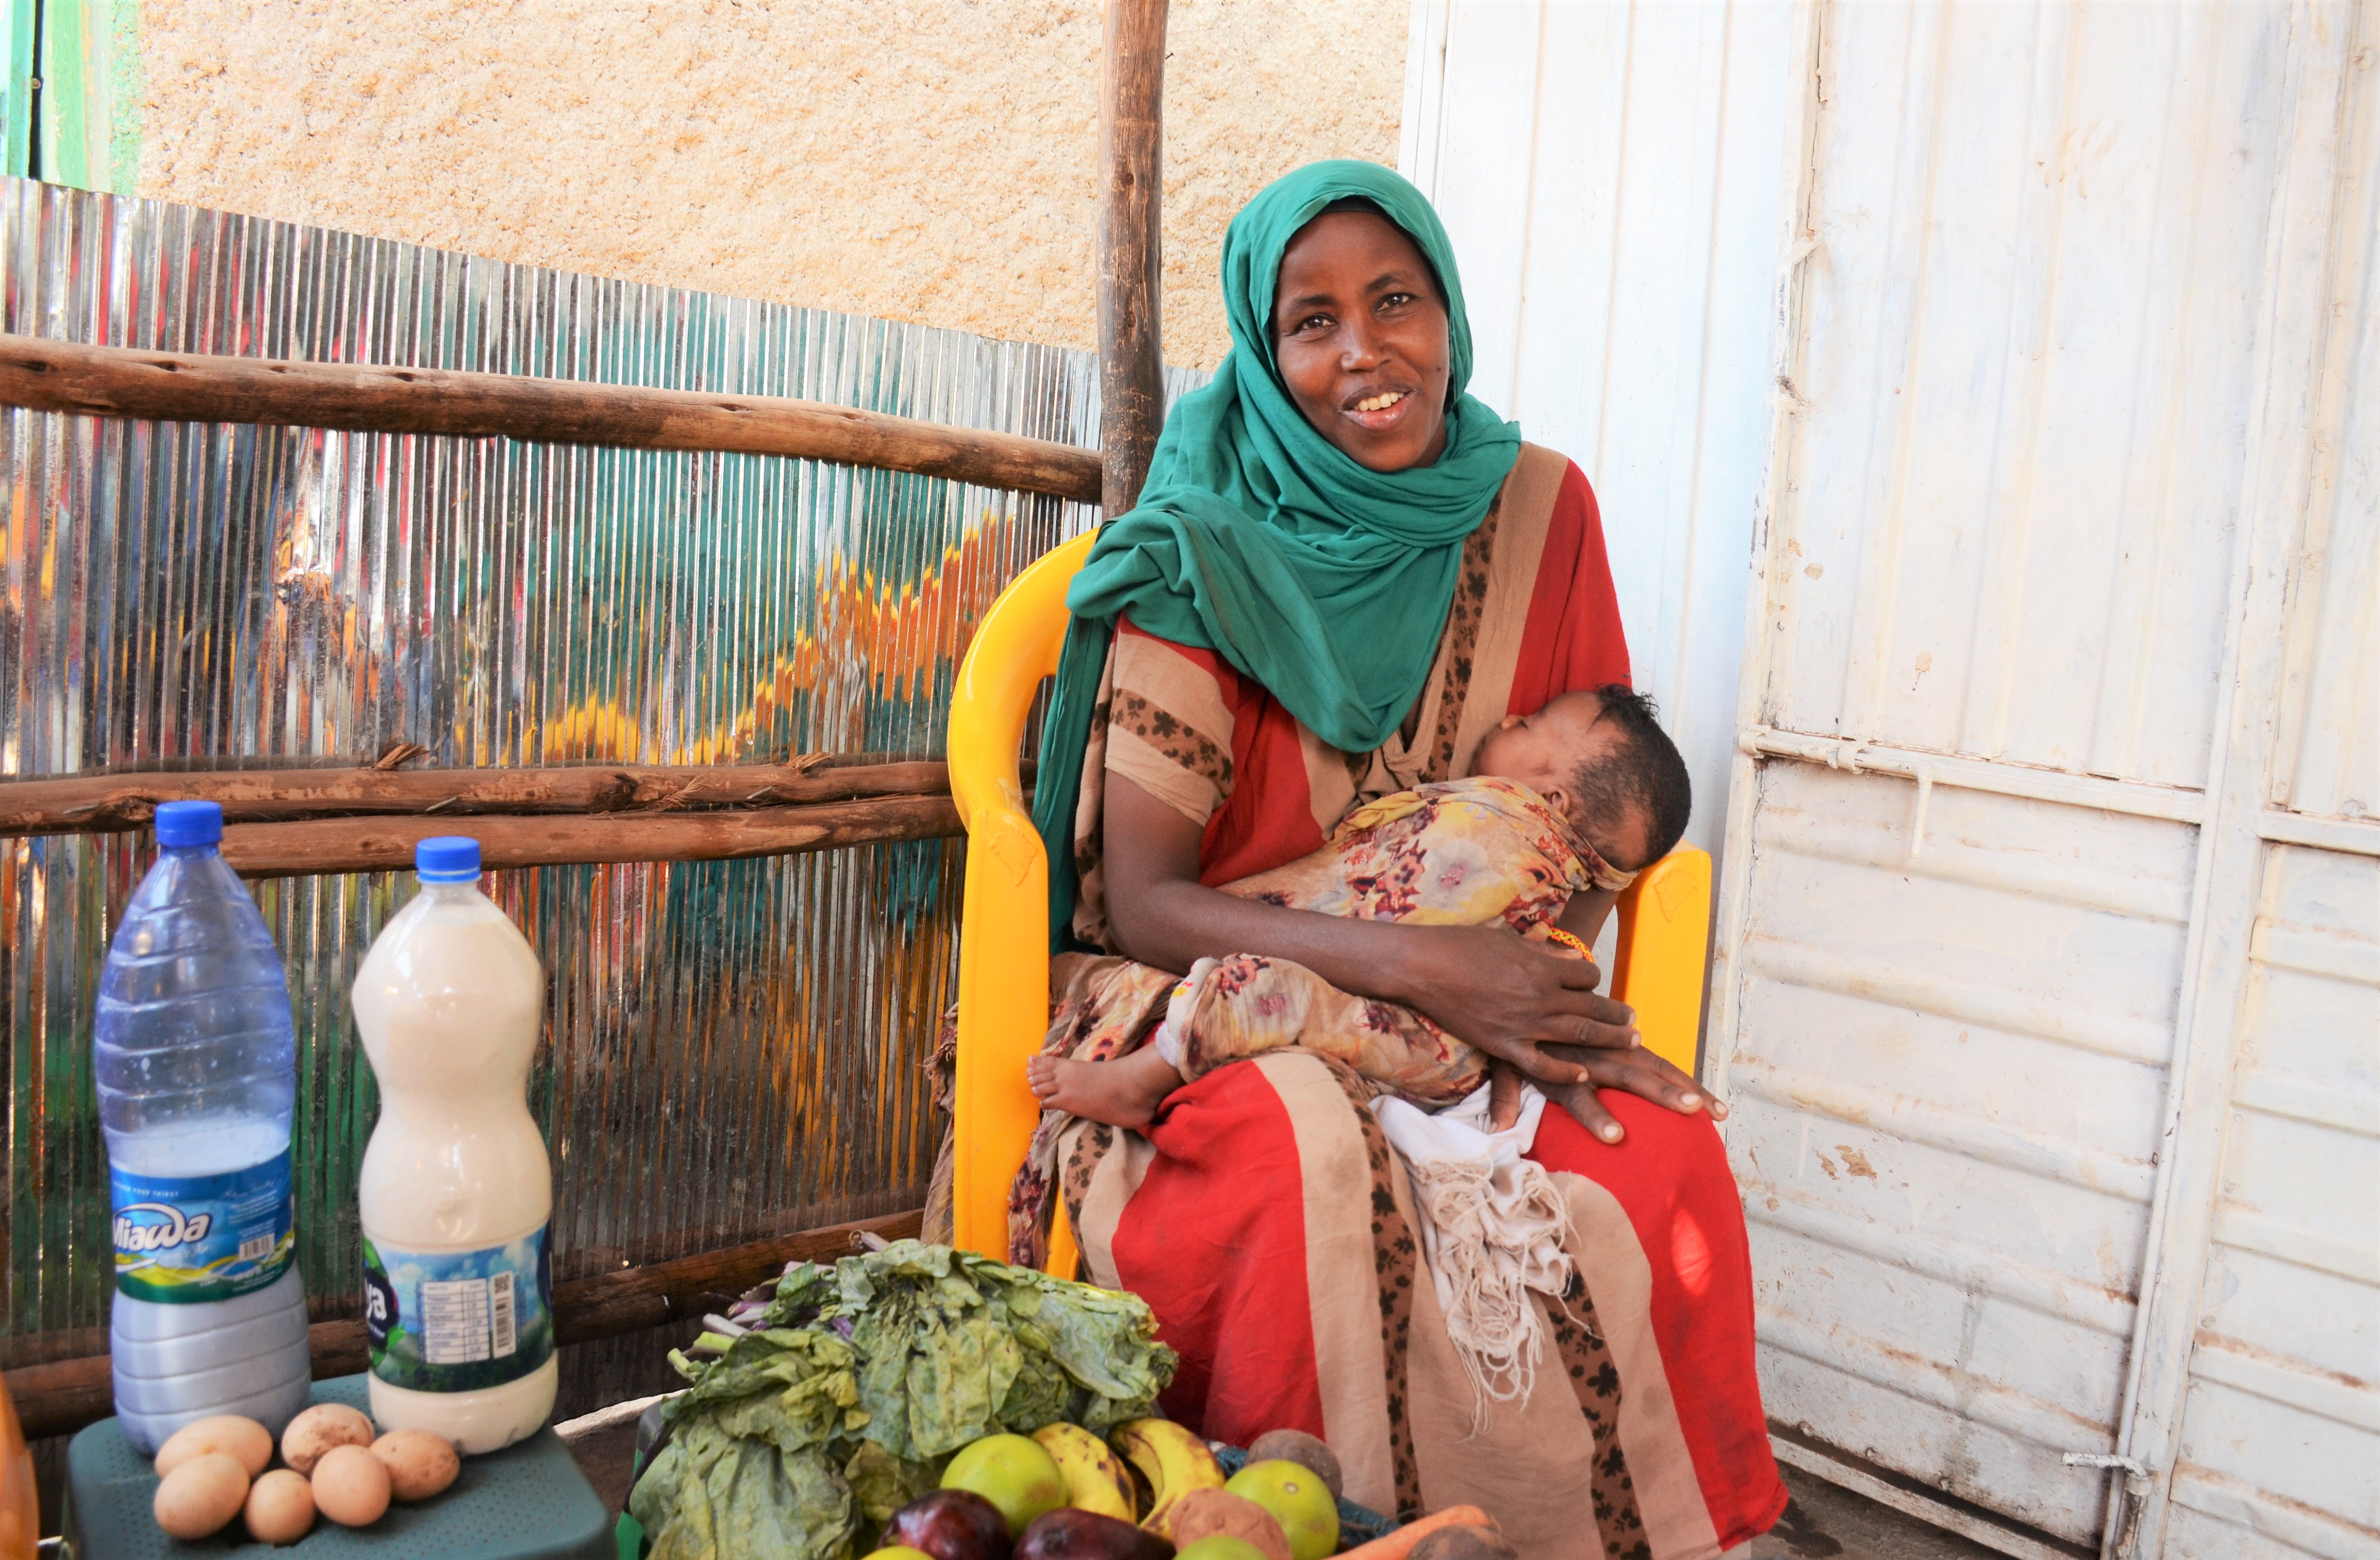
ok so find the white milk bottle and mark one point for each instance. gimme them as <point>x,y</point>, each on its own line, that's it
<point>456,1192</point>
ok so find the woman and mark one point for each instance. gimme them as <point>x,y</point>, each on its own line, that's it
<point>1342,573</point>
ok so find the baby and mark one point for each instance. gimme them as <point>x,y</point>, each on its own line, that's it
<point>1585,793</point>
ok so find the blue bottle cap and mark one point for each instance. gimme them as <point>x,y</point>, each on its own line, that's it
<point>189,822</point>
<point>447,858</point>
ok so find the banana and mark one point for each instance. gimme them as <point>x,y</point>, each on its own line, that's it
<point>1173,1461</point>
<point>1096,1481</point>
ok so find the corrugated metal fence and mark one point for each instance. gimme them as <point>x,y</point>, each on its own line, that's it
<point>734,1049</point>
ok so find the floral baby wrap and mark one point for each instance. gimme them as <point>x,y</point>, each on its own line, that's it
<point>1455,853</point>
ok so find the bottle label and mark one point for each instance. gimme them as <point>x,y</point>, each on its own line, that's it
<point>187,1240</point>
<point>458,1321</point>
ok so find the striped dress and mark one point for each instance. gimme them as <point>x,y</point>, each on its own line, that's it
<point>1269,1223</point>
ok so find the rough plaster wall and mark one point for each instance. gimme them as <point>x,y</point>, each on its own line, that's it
<point>926,160</point>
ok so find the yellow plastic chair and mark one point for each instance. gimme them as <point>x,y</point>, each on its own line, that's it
<point>1004,929</point>
<point>20,1516</point>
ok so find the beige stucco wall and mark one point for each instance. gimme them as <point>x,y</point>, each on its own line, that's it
<point>927,159</point>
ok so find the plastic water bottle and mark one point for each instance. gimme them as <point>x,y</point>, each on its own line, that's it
<point>197,1067</point>
<point>455,1193</point>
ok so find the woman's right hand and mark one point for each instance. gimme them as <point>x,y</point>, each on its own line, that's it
<point>1511,997</point>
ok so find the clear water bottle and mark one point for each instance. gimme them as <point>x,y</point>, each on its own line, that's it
<point>197,1067</point>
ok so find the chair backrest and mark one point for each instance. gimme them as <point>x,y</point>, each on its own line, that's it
<point>1004,927</point>
<point>20,1516</point>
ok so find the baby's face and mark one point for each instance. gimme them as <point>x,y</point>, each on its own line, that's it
<point>1543,750</point>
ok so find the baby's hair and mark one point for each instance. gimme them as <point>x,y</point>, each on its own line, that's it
<point>1645,769</point>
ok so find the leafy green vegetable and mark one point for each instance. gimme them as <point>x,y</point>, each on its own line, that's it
<point>860,1382</point>
<point>883,1483</point>
<point>712,1494</point>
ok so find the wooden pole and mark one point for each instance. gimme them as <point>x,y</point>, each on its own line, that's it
<point>98,804</point>
<point>378,845</point>
<point>180,387</point>
<point>65,1395</point>
<point>1132,392</point>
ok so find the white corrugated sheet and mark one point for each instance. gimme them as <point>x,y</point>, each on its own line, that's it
<point>1613,182</point>
<point>2049,989</point>
<point>2281,1404</point>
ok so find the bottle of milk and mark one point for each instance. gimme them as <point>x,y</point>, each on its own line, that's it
<point>197,1069</point>
<point>456,1192</point>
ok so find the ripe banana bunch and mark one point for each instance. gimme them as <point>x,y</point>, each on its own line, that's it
<point>1096,1480</point>
<point>1173,1461</point>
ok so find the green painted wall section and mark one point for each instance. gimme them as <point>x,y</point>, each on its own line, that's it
<point>17,84</point>
<point>82,120</point>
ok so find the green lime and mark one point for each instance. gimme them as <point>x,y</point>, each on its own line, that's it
<point>1298,1500</point>
<point>1011,1471</point>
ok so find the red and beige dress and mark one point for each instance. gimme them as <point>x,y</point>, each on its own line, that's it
<point>1267,1220</point>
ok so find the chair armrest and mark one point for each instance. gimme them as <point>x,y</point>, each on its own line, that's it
<point>1664,943</point>
<point>1004,1007</point>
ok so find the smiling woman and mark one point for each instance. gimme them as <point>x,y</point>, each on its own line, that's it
<point>1361,337</point>
<point>1345,575</point>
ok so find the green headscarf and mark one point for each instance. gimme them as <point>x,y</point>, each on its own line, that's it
<point>1259,538</point>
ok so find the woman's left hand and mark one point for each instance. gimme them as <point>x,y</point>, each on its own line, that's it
<point>1636,1070</point>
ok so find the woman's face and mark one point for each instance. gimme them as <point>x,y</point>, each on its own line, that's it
<point>1360,333</point>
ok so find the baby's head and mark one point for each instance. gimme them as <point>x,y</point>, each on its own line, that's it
<point>1599,757</point>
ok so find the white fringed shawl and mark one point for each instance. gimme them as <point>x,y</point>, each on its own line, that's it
<point>1493,1229</point>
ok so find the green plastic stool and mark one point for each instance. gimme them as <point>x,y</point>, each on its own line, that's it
<point>527,1502</point>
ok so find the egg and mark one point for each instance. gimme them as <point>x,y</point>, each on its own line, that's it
<point>351,1486</point>
<point>280,1507</point>
<point>243,1438</point>
<point>202,1495</point>
<point>419,1464</point>
<point>319,1429</point>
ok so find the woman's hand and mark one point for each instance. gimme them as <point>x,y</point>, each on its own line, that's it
<point>1510,997</point>
<point>1640,1073</point>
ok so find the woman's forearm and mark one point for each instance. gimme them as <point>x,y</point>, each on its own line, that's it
<point>1481,983</point>
<point>1174,924</point>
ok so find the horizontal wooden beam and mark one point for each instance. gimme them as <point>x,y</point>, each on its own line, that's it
<point>376,845</point>
<point>182,387</point>
<point>58,1398</point>
<point>87,804</point>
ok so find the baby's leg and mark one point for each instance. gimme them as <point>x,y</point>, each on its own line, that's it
<point>1122,1091</point>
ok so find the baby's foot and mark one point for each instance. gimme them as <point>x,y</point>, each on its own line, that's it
<point>1122,1092</point>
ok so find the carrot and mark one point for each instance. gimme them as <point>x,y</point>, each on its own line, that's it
<point>1397,1546</point>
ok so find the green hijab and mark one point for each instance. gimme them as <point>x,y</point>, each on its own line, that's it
<point>1259,538</point>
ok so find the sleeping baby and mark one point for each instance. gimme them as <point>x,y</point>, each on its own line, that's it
<point>1585,793</point>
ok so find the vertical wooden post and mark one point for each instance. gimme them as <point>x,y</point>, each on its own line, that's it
<point>1131,394</point>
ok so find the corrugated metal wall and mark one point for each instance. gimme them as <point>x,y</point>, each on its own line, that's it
<point>2275,1441</point>
<point>1613,182</point>
<point>2058,350</point>
<point>2025,352</point>
<point>2048,994</point>
<point>733,1048</point>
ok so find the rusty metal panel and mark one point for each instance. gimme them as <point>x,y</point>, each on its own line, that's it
<point>2062,621</point>
<point>2281,1432</point>
<point>1947,1082</point>
<point>2329,761</point>
<point>2039,239</point>
<point>2004,564</point>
